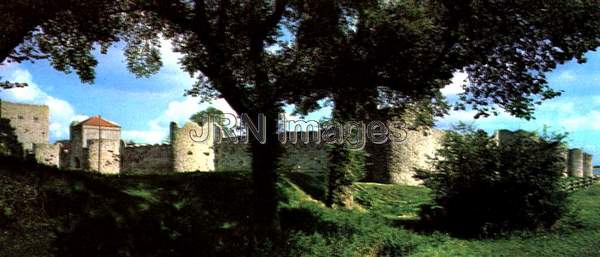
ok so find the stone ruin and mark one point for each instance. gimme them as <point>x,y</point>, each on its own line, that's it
<point>95,145</point>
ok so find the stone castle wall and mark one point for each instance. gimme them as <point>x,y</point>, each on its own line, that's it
<point>232,157</point>
<point>411,154</point>
<point>76,151</point>
<point>147,159</point>
<point>103,155</point>
<point>192,149</point>
<point>101,150</point>
<point>308,158</point>
<point>48,154</point>
<point>30,122</point>
<point>64,155</point>
<point>299,157</point>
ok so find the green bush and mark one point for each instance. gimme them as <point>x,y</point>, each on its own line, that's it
<point>9,145</point>
<point>482,187</point>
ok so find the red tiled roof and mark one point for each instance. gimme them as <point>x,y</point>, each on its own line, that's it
<point>98,121</point>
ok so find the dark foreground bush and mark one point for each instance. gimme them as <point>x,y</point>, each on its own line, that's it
<point>483,186</point>
<point>9,144</point>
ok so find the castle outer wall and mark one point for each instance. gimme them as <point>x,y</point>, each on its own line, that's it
<point>29,121</point>
<point>47,154</point>
<point>299,157</point>
<point>98,148</point>
<point>147,159</point>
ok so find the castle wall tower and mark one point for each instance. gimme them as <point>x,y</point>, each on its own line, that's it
<point>575,163</point>
<point>103,156</point>
<point>588,167</point>
<point>95,146</point>
<point>193,147</point>
<point>47,154</point>
<point>30,122</point>
<point>406,150</point>
<point>413,153</point>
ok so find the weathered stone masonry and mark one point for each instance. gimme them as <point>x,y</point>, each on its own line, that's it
<point>30,122</point>
<point>147,159</point>
<point>95,145</point>
<point>47,154</point>
<point>396,161</point>
<point>309,157</point>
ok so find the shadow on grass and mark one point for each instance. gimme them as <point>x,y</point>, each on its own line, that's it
<point>82,214</point>
<point>314,184</point>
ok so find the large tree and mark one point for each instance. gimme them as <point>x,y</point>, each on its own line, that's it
<point>260,54</point>
<point>400,53</point>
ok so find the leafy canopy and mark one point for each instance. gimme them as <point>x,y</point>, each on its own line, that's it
<point>258,53</point>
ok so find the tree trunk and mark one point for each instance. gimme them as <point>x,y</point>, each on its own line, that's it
<point>340,178</point>
<point>265,156</point>
<point>339,193</point>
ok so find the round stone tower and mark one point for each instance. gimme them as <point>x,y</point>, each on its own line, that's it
<point>575,163</point>
<point>588,167</point>
<point>193,147</point>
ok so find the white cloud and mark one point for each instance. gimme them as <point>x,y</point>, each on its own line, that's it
<point>7,65</point>
<point>148,136</point>
<point>573,123</point>
<point>177,111</point>
<point>561,115</point>
<point>455,87</point>
<point>61,112</point>
<point>170,58</point>
<point>596,100</point>
<point>587,121</point>
<point>562,107</point>
<point>566,76</point>
<point>171,70</point>
<point>180,112</point>
<point>456,116</point>
<point>171,76</point>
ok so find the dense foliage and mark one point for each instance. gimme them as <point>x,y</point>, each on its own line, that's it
<point>259,55</point>
<point>48,212</point>
<point>210,114</point>
<point>482,185</point>
<point>9,144</point>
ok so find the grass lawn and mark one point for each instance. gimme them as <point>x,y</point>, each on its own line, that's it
<point>47,212</point>
<point>567,238</point>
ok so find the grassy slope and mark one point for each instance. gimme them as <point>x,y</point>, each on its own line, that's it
<point>46,212</point>
<point>384,227</point>
<point>577,234</point>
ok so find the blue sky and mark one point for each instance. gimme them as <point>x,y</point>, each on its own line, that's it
<point>145,106</point>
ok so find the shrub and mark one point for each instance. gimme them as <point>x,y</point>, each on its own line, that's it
<point>483,186</point>
<point>9,145</point>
